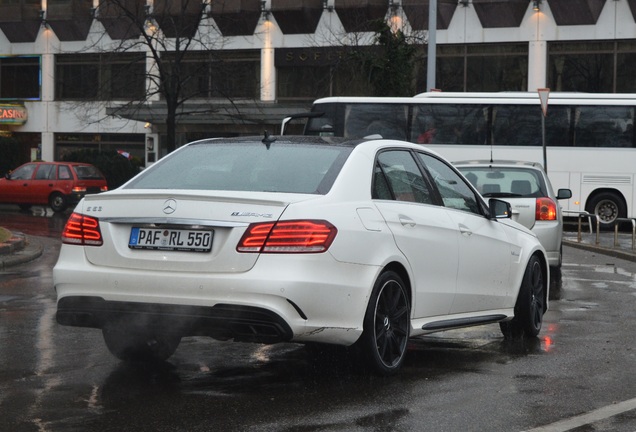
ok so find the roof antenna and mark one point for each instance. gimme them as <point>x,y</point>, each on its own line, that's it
<point>267,139</point>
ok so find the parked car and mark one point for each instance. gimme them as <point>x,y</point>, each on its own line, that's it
<point>303,239</point>
<point>527,188</point>
<point>57,184</point>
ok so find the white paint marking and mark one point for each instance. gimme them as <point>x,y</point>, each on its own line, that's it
<point>588,418</point>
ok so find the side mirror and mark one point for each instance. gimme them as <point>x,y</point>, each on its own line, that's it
<point>564,194</point>
<point>499,209</point>
<point>8,176</point>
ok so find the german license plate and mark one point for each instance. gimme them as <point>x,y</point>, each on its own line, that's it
<point>170,239</point>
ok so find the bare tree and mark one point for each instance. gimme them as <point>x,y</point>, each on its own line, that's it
<point>180,45</point>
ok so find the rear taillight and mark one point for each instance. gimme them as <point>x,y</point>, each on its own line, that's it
<point>295,236</point>
<point>103,188</point>
<point>79,189</point>
<point>546,209</point>
<point>82,230</point>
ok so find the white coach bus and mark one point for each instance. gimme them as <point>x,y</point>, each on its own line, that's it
<point>590,143</point>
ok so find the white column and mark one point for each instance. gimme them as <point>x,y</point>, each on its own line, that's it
<point>537,65</point>
<point>268,70</point>
<point>47,141</point>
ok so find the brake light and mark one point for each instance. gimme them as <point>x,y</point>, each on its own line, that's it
<point>82,230</point>
<point>295,236</point>
<point>103,188</point>
<point>79,189</point>
<point>546,209</point>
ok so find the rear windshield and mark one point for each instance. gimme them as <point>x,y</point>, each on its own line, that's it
<point>87,173</point>
<point>506,182</point>
<point>289,168</point>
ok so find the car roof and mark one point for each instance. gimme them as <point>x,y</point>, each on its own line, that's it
<point>499,163</point>
<point>39,162</point>
<point>284,139</point>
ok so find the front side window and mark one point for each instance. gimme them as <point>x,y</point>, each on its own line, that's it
<point>24,172</point>
<point>454,191</point>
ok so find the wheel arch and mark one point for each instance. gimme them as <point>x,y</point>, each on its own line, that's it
<point>543,259</point>
<point>398,268</point>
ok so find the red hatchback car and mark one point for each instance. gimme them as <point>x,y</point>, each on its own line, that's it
<point>58,184</point>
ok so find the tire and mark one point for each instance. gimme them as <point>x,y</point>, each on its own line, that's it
<point>386,327</point>
<point>137,344</point>
<point>57,202</point>
<point>530,305</point>
<point>607,206</point>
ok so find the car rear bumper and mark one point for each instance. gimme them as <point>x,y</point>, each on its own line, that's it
<point>221,321</point>
<point>316,298</point>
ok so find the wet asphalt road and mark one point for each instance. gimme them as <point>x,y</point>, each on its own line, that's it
<point>55,378</point>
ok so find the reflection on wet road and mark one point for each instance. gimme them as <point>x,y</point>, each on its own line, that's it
<point>39,221</point>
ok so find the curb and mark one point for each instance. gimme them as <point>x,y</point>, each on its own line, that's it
<point>616,253</point>
<point>19,249</point>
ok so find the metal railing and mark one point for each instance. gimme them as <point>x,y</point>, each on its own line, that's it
<point>590,217</point>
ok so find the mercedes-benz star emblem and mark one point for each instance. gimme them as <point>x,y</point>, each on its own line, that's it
<point>169,206</point>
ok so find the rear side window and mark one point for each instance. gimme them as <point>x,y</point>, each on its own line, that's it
<point>397,176</point>
<point>45,172</point>
<point>281,167</point>
<point>64,173</point>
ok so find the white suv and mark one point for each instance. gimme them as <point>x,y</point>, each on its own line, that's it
<point>527,188</point>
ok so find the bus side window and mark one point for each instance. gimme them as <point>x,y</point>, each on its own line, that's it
<point>387,120</point>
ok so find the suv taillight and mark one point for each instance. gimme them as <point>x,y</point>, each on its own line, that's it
<point>294,236</point>
<point>82,230</point>
<point>546,209</point>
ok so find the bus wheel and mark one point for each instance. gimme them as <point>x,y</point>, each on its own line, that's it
<point>607,206</point>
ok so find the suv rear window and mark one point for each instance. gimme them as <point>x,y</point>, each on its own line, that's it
<point>252,166</point>
<point>506,182</point>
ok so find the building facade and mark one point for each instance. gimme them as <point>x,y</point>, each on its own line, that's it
<point>67,84</point>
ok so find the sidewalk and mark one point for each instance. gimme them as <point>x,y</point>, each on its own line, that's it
<point>18,249</point>
<point>607,243</point>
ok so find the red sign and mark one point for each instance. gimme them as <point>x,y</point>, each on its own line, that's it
<point>13,114</point>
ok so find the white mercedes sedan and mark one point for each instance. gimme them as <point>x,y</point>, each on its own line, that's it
<point>323,240</point>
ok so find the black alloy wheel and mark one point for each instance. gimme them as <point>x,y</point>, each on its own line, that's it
<point>530,305</point>
<point>386,325</point>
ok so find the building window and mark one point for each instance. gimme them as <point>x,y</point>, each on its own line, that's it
<point>480,67</point>
<point>214,74</point>
<point>20,78</point>
<point>133,144</point>
<point>310,73</point>
<point>592,66</point>
<point>109,76</point>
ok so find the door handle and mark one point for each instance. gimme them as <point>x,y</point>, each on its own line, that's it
<point>465,230</point>
<point>405,220</point>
